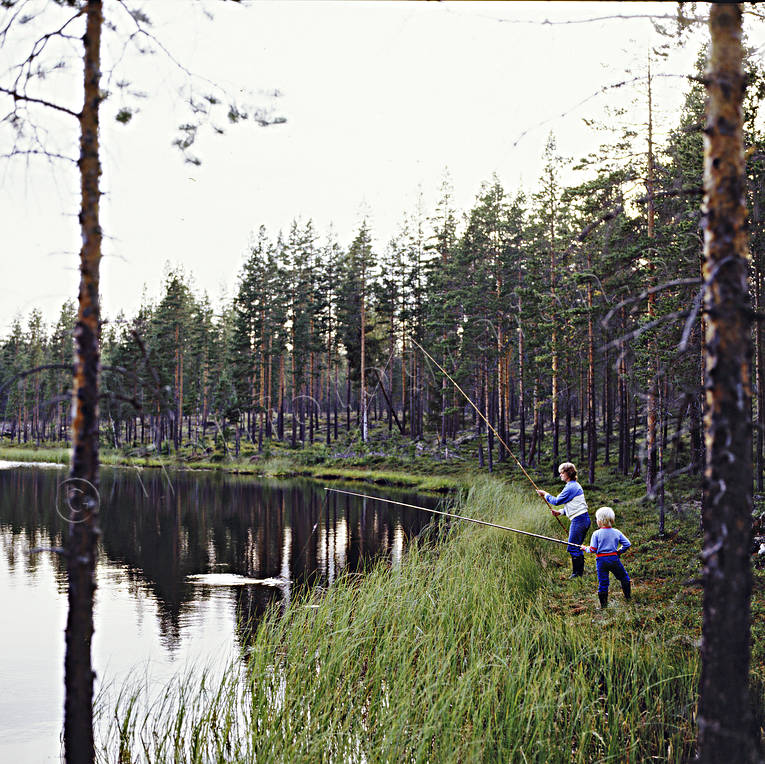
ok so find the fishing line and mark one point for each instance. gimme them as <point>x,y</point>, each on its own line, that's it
<point>488,424</point>
<point>320,513</point>
<point>450,514</point>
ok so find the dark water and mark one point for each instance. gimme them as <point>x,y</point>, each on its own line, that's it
<point>188,562</point>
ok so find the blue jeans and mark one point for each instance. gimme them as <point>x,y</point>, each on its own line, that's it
<point>576,533</point>
<point>606,565</point>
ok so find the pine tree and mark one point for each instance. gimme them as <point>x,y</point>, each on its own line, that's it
<point>353,315</point>
<point>725,726</point>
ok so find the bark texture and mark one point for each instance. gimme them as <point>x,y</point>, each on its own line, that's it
<point>724,723</point>
<point>82,487</point>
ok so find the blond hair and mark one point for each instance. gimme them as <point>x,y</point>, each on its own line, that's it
<point>569,469</point>
<point>605,516</point>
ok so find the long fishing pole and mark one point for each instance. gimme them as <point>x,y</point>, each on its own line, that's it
<point>448,514</point>
<point>488,423</point>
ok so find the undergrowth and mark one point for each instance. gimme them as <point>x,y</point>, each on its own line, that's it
<point>463,652</point>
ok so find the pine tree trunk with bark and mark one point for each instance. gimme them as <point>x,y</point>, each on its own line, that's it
<point>82,486</point>
<point>650,428</point>
<point>725,730</point>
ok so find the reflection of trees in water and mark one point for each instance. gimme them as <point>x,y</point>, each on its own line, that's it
<point>161,529</point>
<point>252,603</point>
<point>28,517</point>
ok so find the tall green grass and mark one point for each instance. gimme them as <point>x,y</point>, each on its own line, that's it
<point>453,656</point>
<point>57,454</point>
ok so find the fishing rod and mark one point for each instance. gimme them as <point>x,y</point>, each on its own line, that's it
<point>488,423</point>
<point>448,514</point>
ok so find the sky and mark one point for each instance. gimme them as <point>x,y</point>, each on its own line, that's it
<point>381,100</point>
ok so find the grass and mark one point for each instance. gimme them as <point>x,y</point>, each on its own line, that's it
<point>53,454</point>
<point>278,463</point>
<point>472,649</point>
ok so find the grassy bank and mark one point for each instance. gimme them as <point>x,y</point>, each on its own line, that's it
<point>473,649</point>
<point>419,474</point>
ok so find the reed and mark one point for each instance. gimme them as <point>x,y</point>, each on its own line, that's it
<point>453,655</point>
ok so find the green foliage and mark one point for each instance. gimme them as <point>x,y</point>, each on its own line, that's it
<point>451,654</point>
<point>566,275</point>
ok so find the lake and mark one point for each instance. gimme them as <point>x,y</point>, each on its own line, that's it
<point>188,562</point>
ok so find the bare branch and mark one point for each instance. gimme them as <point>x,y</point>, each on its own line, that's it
<point>687,191</point>
<point>38,152</point>
<point>55,549</point>
<point>189,131</point>
<point>643,328</point>
<point>679,16</point>
<point>645,293</point>
<point>116,396</point>
<point>45,367</point>
<point>4,31</point>
<point>28,99</point>
<point>600,91</point>
<point>588,229</point>
<point>40,43</point>
<point>691,320</point>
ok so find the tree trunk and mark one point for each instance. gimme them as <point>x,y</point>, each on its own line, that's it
<point>555,424</point>
<point>488,408</point>
<point>82,489</point>
<point>311,392</point>
<point>280,415</point>
<point>363,381</point>
<point>725,730</point>
<point>759,361</point>
<point>582,410</point>
<point>269,395</point>
<point>535,428</point>
<point>348,400</point>
<point>478,420</point>
<point>607,408</point>
<point>521,396</point>
<point>334,398</point>
<point>403,377</point>
<point>650,423</point>
<point>329,393</point>
<point>592,431</point>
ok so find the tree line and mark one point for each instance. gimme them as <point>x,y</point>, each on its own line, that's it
<point>570,315</point>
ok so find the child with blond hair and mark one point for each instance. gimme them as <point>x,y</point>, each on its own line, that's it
<point>608,543</point>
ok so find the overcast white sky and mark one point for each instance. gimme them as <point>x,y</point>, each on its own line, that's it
<point>380,99</point>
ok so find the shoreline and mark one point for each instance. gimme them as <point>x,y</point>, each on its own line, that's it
<point>279,467</point>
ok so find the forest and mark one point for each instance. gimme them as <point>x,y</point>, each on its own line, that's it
<point>571,316</point>
<point>607,315</point>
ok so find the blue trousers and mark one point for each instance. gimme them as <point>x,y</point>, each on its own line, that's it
<point>576,533</point>
<point>606,565</point>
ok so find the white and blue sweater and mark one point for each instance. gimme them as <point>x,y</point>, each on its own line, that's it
<point>572,499</point>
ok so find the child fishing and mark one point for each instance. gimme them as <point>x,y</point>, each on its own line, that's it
<point>574,506</point>
<point>608,543</point>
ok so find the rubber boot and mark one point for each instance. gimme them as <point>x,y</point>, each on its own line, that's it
<point>603,597</point>
<point>627,589</point>
<point>577,567</point>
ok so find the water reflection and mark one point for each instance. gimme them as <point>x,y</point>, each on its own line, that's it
<point>179,554</point>
<point>161,529</point>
